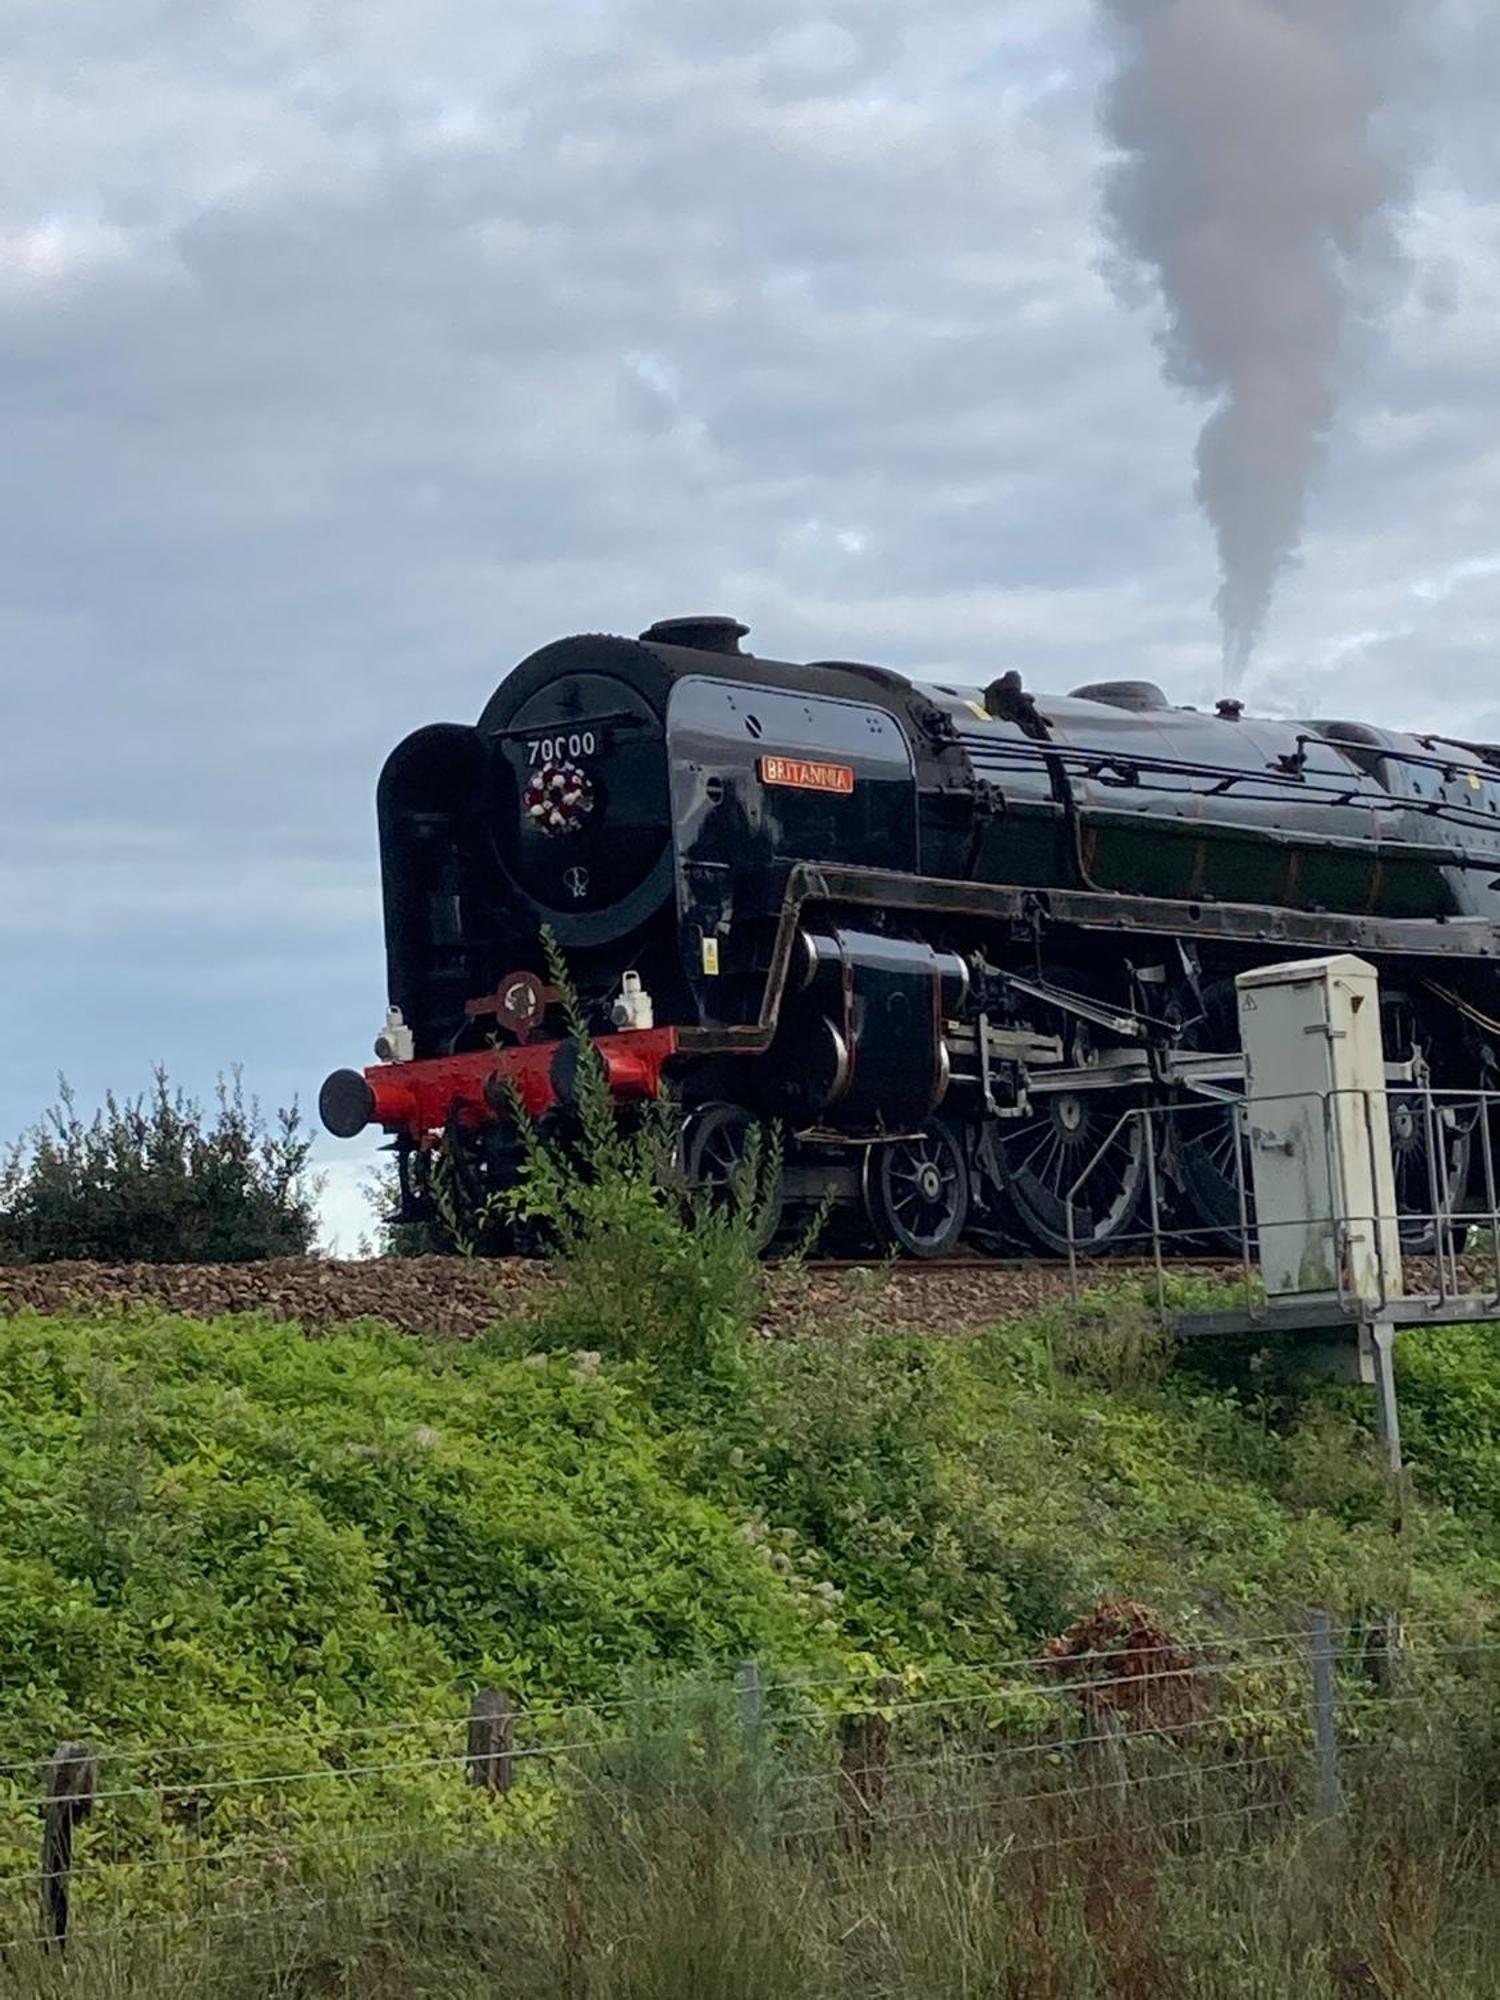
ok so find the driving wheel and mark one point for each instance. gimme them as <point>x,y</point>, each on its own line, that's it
<point>1075,1171</point>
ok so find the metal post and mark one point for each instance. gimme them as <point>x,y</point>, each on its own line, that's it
<point>1338,1184</point>
<point>1487,1148</point>
<point>1325,1733</point>
<point>1379,1221</point>
<point>1241,1124</point>
<point>752,1703</point>
<point>752,1700</point>
<point>1442,1239</point>
<point>1161,1278</point>
<point>1377,1339</point>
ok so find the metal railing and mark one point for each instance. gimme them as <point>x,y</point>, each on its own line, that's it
<point>1443,1247</point>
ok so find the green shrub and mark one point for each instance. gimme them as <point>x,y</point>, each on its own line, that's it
<point>1449,1386</point>
<point>204,1521</point>
<point>965,1497</point>
<point>643,1267</point>
<point>156,1179</point>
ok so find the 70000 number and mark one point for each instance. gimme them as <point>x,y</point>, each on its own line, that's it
<point>553,749</point>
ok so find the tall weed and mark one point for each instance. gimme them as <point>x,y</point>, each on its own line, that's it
<point>644,1266</point>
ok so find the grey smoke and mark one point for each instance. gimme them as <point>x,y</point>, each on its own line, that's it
<point>1249,175</point>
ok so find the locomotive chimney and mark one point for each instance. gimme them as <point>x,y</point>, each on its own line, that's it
<point>700,635</point>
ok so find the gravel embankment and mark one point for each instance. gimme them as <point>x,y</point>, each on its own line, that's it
<point>447,1297</point>
<point>454,1298</point>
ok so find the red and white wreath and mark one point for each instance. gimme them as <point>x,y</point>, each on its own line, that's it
<point>558,798</point>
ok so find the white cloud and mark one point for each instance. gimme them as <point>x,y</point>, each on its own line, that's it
<point>347,353</point>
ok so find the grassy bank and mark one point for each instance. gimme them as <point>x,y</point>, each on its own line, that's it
<point>208,1525</point>
<point>214,1525</point>
<point>241,1562</point>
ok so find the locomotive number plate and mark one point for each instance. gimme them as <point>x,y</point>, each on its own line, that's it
<point>566,746</point>
<point>805,775</point>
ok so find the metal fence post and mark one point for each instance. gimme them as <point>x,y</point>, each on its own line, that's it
<point>1325,1727</point>
<point>752,1697</point>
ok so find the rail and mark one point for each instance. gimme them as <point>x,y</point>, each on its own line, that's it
<point>1134,770</point>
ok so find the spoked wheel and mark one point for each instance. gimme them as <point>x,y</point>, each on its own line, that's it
<point>917,1191</point>
<point>1416,1132</point>
<point>1208,1143</point>
<point>1213,1166</point>
<point>1085,1145</point>
<point>727,1159</point>
<point>1431,1143</point>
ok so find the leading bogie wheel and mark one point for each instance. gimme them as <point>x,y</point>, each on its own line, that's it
<point>728,1159</point>
<point>917,1191</point>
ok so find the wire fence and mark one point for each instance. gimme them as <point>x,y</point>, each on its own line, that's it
<point>1122,1727</point>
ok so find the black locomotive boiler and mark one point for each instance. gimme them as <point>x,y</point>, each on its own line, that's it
<point>946,938</point>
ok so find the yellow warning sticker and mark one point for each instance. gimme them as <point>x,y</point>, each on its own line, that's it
<point>711,954</point>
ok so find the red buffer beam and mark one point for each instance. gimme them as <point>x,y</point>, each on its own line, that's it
<point>414,1099</point>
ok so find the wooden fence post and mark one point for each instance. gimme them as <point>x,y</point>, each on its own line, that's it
<point>1104,1750</point>
<point>1381,1651</point>
<point>492,1728</point>
<point>70,1782</point>
<point>864,1754</point>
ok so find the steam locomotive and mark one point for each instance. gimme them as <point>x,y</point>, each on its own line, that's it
<point>958,944</point>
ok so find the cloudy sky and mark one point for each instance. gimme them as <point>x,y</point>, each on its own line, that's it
<point>349,351</point>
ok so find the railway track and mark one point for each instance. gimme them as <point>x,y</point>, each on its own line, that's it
<point>456,1298</point>
<point>1093,1269</point>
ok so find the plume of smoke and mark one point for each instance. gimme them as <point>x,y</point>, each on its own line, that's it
<point>1247,177</point>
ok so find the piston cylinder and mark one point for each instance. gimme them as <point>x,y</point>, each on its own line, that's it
<point>862,1043</point>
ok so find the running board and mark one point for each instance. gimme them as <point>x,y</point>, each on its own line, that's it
<point>1209,1075</point>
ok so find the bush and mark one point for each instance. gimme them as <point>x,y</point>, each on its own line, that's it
<point>644,1268</point>
<point>156,1179</point>
<point>210,1527</point>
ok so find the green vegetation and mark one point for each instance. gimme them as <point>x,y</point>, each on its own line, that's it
<point>213,1529</point>
<point>1450,1410</point>
<point>156,1179</point>
<point>240,1561</point>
